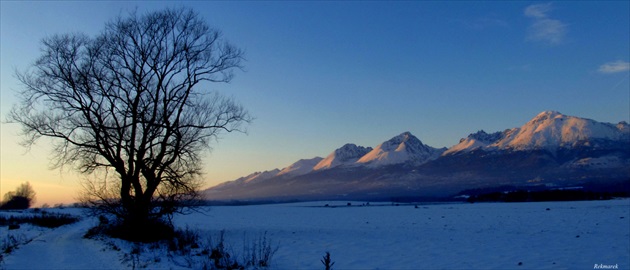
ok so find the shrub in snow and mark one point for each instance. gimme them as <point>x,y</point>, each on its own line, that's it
<point>12,242</point>
<point>260,253</point>
<point>220,257</point>
<point>184,241</point>
<point>9,244</point>
<point>327,262</point>
<point>256,254</point>
<point>133,258</point>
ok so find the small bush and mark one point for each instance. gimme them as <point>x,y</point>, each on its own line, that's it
<point>133,258</point>
<point>12,242</point>
<point>221,257</point>
<point>256,254</point>
<point>9,244</point>
<point>327,262</point>
<point>260,253</point>
<point>184,241</point>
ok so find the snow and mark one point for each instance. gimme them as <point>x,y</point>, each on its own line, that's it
<point>402,148</point>
<point>474,141</point>
<point>549,130</point>
<point>302,166</point>
<point>466,145</point>
<point>330,161</point>
<point>60,248</point>
<point>346,155</point>
<point>541,235</point>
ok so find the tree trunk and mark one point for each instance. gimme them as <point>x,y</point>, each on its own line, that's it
<point>137,222</point>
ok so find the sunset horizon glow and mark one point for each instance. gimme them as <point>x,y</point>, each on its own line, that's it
<point>319,75</point>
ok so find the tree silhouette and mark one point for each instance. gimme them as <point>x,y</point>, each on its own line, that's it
<point>22,198</point>
<point>127,109</point>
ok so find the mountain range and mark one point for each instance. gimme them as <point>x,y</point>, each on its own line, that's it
<point>550,151</point>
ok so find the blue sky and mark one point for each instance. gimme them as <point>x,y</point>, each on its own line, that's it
<point>322,74</point>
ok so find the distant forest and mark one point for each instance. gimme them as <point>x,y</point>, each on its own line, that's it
<point>544,196</point>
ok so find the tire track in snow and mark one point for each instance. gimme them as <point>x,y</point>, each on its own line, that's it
<point>64,248</point>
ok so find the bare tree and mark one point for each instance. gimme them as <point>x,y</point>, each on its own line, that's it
<point>127,109</point>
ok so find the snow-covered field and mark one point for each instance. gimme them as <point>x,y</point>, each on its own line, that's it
<point>543,235</point>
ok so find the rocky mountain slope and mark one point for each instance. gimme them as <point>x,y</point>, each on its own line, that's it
<point>346,155</point>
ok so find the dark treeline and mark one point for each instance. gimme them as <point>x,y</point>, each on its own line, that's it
<point>545,195</point>
<point>43,219</point>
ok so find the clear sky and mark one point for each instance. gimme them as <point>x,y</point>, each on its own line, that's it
<point>322,74</point>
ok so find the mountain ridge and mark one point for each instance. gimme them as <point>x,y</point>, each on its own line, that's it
<point>549,130</point>
<point>550,150</point>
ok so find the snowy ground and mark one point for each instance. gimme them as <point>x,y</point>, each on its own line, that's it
<point>544,235</point>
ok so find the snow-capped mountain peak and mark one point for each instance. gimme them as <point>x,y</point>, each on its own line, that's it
<point>300,167</point>
<point>402,148</point>
<point>546,115</point>
<point>347,154</point>
<point>549,130</point>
